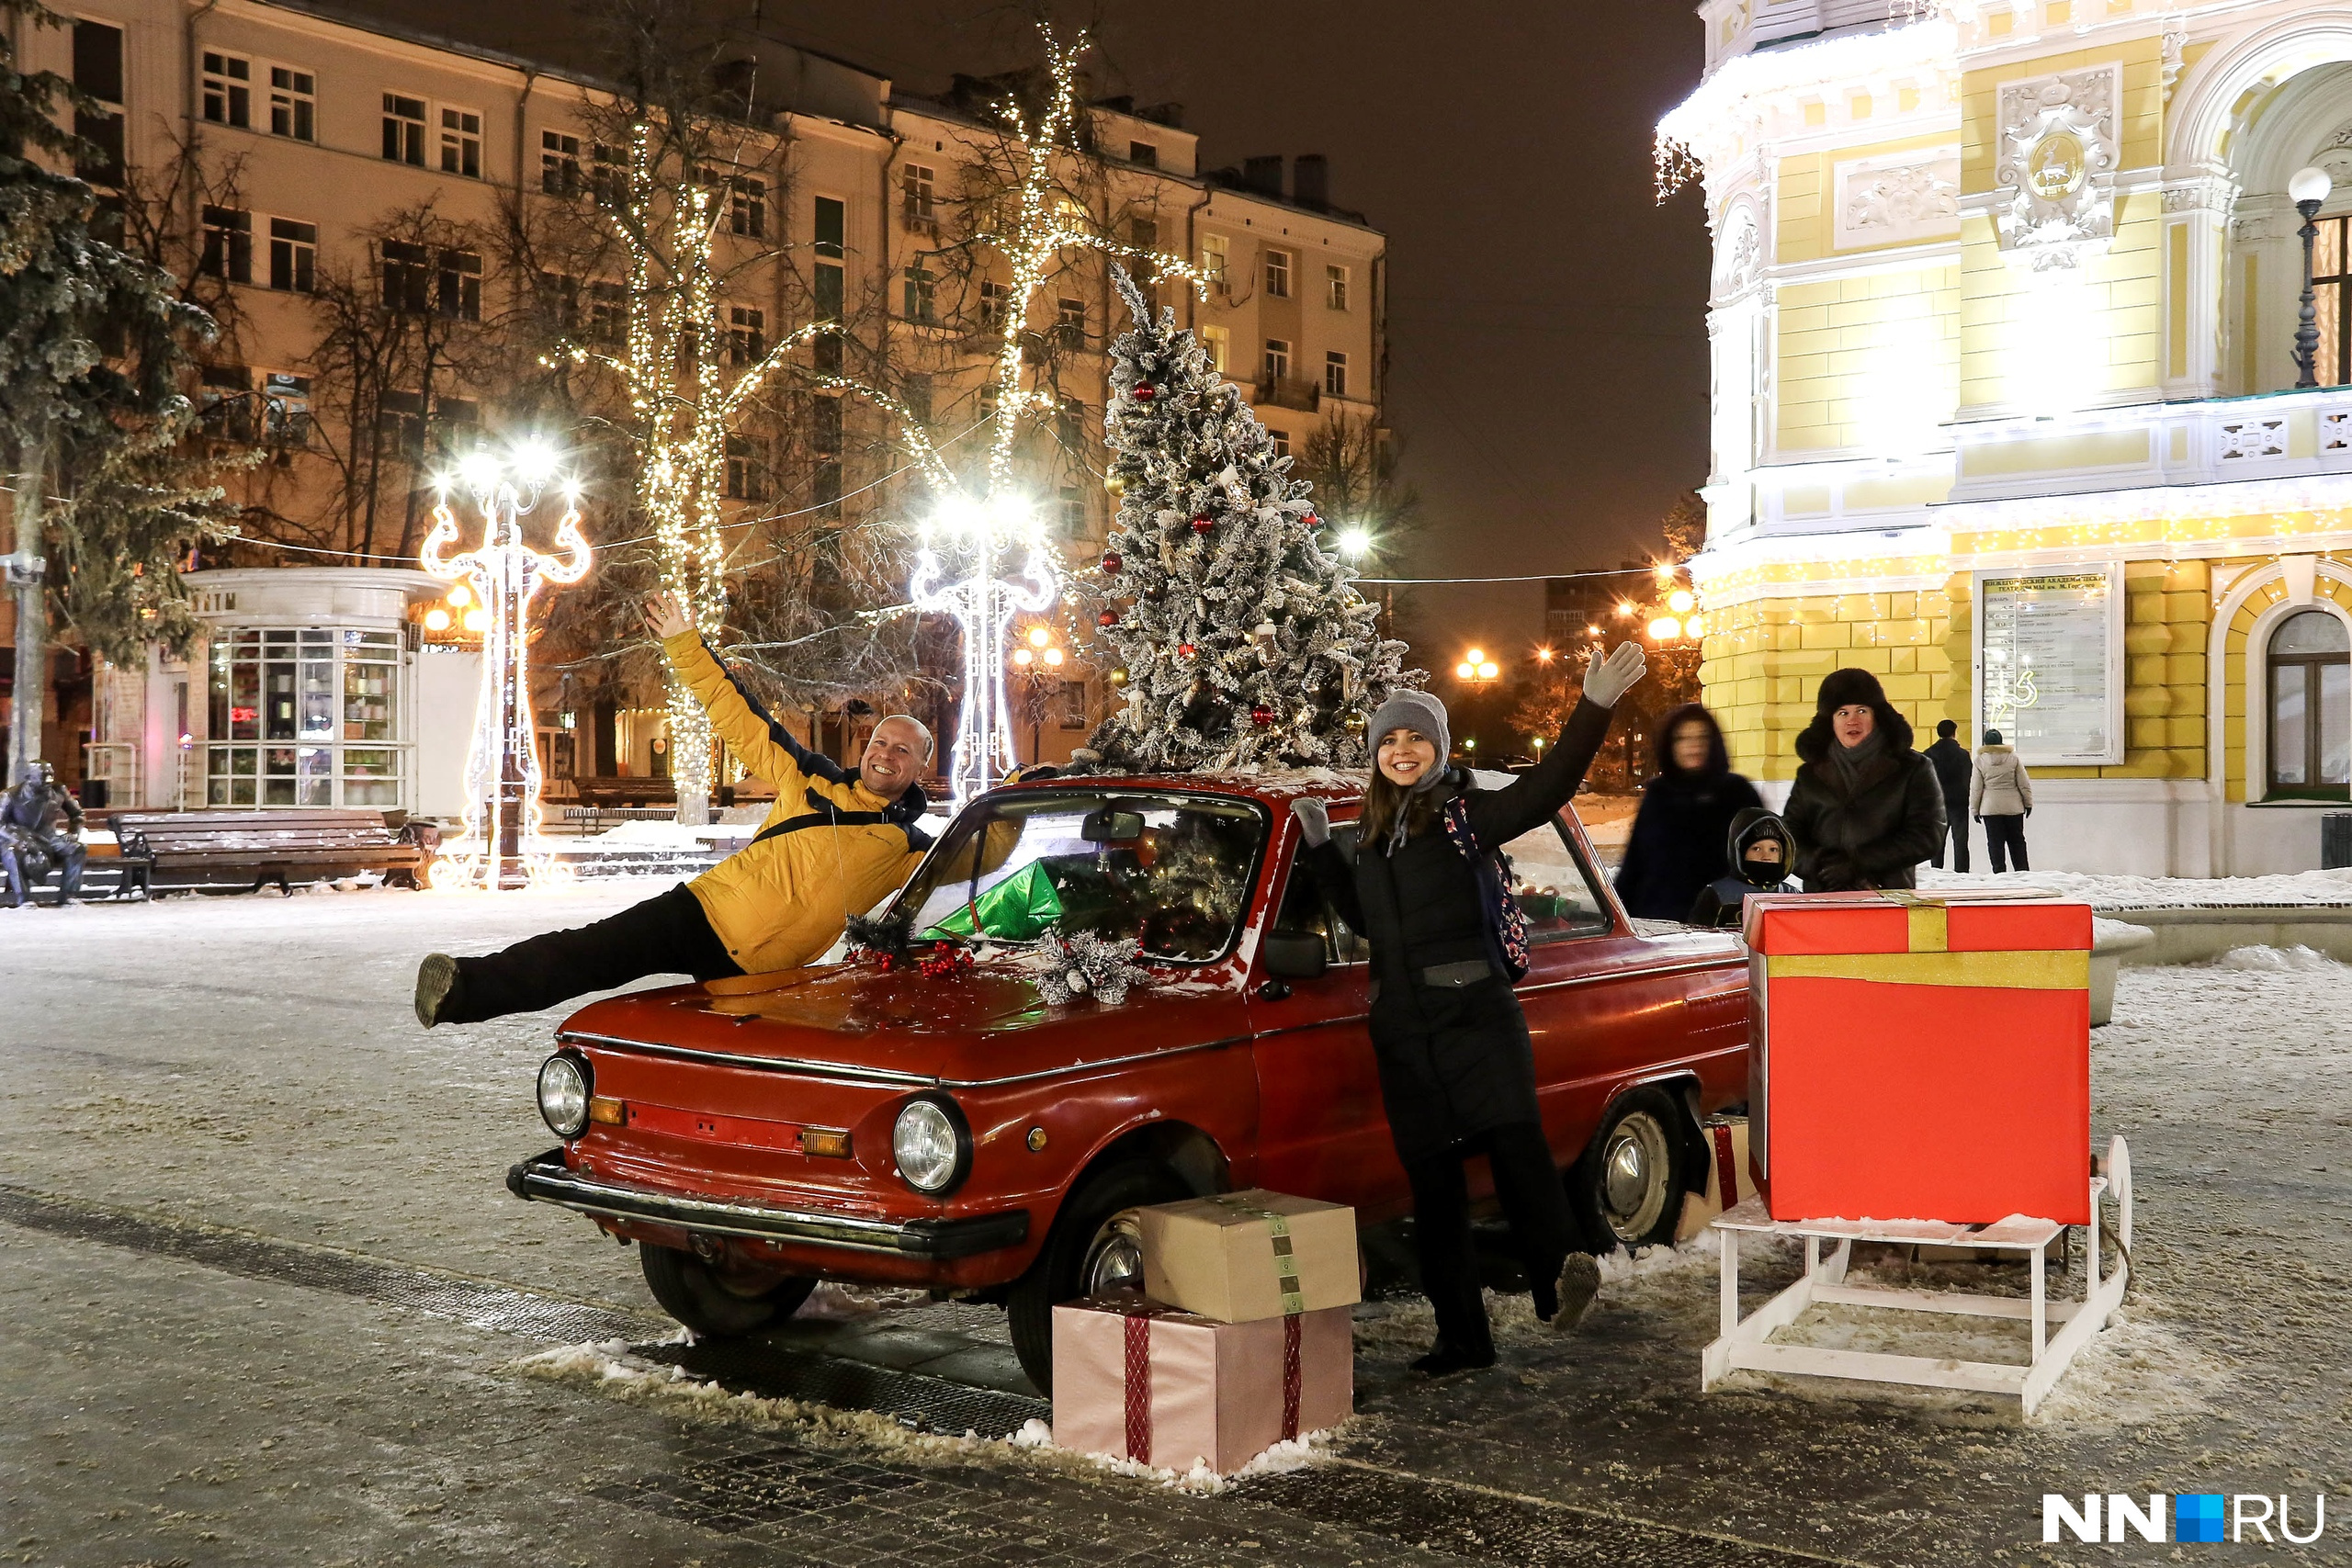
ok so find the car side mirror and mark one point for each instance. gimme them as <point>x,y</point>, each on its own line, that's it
<point>1294,955</point>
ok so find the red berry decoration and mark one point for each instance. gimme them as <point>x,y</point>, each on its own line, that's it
<point>1112,562</point>
<point>1262,715</point>
<point>1203,523</point>
<point>1183,650</point>
<point>1107,619</point>
<point>1312,521</point>
<point>1145,391</point>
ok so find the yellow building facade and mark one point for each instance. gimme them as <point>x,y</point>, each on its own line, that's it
<point>2006,406</point>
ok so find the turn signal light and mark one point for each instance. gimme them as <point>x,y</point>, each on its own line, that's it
<point>607,1112</point>
<point>828,1143</point>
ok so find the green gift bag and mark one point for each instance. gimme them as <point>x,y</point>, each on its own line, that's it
<point>1015,910</point>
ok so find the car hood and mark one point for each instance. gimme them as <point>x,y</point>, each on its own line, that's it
<point>987,1023</point>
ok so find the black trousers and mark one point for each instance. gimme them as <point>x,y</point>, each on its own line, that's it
<point>665,935</point>
<point>1533,1201</point>
<point>2004,838</point>
<point>27,857</point>
<point>1956,826</point>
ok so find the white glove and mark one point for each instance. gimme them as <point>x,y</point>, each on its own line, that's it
<point>1314,821</point>
<point>1606,680</point>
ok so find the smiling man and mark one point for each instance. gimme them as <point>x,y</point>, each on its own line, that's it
<point>836,844</point>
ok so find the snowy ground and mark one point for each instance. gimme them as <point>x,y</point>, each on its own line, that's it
<point>2315,890</point>
<point>250,1063</point>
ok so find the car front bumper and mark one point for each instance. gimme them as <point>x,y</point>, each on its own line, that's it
<point>547,1179</point>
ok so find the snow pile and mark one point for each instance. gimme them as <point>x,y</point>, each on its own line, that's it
<point>2275,960</point>
<point>2315,890</point>
<point>608,1367</point>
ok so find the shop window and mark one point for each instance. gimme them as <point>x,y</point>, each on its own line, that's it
<point>2310,673</point>
<point>405,130</point>
<point>227,90</point>
<point>304,717</point>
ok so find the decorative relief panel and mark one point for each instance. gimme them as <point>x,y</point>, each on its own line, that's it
<point>1897,199</point>
<point>1739,253</point>
<point>2056,166</point>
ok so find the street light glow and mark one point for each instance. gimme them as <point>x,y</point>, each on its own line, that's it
<point>1488,669</point>
<point>1664,629</point>
<point>1681,601</point>
<point>1355,543</point>
<point>478,469</point>
<point>535,460</point>
<point>1463,672</point>
<point>1021,657</point>
<point>1054,658</point>
<point>1039,636</point>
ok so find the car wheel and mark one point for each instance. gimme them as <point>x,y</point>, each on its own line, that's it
<point>1094,1246</point>
<point>718,1302</point>
<point>1627,1187</point>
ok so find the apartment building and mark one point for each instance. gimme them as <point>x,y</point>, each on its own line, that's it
<point>301,156</point>
<point>2012,408</point>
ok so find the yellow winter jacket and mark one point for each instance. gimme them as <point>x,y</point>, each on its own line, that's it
<point>831,848</point>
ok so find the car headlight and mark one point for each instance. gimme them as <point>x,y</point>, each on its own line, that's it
<point>563,1094</point>
<point>931,1145</point>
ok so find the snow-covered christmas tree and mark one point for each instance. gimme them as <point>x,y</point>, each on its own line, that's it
<point>1233,630</point>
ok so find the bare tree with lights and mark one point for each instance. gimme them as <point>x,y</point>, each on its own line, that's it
<point>1235,635</point>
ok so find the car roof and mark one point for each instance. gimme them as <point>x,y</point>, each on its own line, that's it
<point>1277,788</point>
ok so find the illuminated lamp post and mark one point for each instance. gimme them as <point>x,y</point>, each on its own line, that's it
<point>500,845</point>
<point>1039,660</point>
<point>979,538</point>
<point>2309,189</point>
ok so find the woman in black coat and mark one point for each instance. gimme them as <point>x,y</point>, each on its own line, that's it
<point>1676,846</point>
<point>1457,1071</point>
<point>1866,808</point>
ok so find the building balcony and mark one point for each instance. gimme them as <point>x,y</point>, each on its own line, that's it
<point>1287,392</point>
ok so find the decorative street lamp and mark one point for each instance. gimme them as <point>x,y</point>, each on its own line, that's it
<point>1477,667</point>
<point>2309,189</point>
<point>500,845</point>
<point>1039,660</point>
<point>979,535</point>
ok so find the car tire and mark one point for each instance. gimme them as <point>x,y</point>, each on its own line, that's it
<point>716,1304</point>
<point>1626,1188</point>
<point>1083,1253</point>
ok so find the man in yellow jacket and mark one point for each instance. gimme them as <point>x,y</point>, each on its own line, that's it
<point>836,844</point>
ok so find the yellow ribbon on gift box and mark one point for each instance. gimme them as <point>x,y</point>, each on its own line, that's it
<point>1931,962</point>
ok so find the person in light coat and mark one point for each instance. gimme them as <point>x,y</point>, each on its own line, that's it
<point>2000,796</point>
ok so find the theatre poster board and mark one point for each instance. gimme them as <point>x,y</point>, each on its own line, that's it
<point>2050,662</point>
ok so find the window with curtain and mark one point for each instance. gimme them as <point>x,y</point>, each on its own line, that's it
<point>2310,671</point>
<point>2331,275</point>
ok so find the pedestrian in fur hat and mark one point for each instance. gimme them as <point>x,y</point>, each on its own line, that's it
<point>1866,808</point>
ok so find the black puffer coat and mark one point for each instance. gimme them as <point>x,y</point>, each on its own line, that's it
<point>1875,833</point>
<point>1453,1063</point>
<point>1676,845</point>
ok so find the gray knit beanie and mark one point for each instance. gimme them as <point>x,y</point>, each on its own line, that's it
<point>1416,711</point>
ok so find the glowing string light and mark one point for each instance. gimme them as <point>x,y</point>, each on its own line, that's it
<point>501,844</point>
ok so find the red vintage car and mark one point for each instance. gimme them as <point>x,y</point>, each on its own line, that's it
<point>955,1131</point>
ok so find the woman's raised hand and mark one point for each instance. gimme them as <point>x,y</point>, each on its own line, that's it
<point>663,618</point>
<point>1607,678</point>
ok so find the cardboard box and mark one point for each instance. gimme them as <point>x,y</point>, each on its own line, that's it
<point>1137,1379</point>
<point>1729,1181</point>
<point>1919,1056</point>
<point>1240,1256</point>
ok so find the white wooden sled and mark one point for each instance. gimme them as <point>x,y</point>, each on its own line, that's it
<point>1747,1344</point>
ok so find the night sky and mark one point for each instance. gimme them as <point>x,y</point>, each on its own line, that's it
<point>1547,323</point>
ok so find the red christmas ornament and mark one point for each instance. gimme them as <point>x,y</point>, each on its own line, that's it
<point>1112,562</point>
<point>1312,521</point>
<point>1107,619</point>
<point>1145,391</point>
<point>1262,715</point>
<point>1183,650</point>
<point>1203,523</point>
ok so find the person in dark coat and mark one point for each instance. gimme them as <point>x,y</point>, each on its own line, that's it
<point>1866,808</point>
<point>29,840</point>
<point>1676,845</point>
<point>1953,772</point>
<point>1457,1069</point>
<point>1761,854</point>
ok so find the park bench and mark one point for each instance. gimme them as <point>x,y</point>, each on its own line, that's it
<point>630,790</point>
<point>249,849</point>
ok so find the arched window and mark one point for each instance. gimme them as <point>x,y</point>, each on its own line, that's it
<point>2310,708</point>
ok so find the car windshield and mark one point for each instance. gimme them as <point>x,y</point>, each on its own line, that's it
<point>1170,872</point>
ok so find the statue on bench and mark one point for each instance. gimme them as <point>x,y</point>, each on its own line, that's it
<point>30,845</point>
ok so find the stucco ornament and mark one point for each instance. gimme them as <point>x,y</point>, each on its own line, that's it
<point>1739,253</point>
<point>2056,168</point>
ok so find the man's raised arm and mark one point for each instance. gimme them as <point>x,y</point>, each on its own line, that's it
<point>759,742</point>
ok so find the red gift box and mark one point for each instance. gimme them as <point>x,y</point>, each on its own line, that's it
<point>1919,1057</point>
<point>1136,1380</point>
